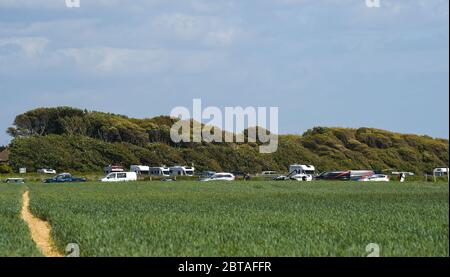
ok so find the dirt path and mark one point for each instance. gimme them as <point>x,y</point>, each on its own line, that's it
<point>40,230</point>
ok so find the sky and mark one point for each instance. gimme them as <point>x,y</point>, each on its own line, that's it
<point>321,62</point>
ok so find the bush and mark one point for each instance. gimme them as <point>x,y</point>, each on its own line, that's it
<point>5,169</point>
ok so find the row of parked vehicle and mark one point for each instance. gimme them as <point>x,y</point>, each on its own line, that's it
<point>133,176</point>
<point>307,173</point>
<point>297,172</point>
<point>60,178</point>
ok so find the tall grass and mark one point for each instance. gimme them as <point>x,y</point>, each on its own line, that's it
<point>15,239</point>
<point>247,218</point>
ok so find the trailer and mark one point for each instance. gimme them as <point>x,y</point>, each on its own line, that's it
<point>140,169</point>
<point>159,171</point>
<point>440,172</point>
<point>182,171</point>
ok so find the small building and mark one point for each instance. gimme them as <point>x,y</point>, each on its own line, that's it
<point>4,156</point>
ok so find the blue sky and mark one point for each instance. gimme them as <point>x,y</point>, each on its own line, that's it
<point>322,62</point>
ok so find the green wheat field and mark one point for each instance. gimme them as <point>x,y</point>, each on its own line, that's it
<point>155,219</point>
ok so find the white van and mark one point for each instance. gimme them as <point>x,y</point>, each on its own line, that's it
<point>120,177</point>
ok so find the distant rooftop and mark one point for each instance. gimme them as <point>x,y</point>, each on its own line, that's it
<point>4,155</point>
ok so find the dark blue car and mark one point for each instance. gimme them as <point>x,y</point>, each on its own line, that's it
<point>65,178</point>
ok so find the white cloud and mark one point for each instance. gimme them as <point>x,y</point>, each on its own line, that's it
<point>208,30</point>
<point>31,46</point>
<point>129,61</point>
<point>197,5</point>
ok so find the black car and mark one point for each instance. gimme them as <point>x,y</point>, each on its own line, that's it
<point>336,175</point>
<point>65,178</point>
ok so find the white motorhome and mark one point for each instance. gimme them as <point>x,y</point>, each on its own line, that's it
<point>439,172</point>
<point>159,171</point>
<point>140,169</point>
<point>302,169</point>
<point>120,177</point>
<point>299,172</point>
<point>182,171</point>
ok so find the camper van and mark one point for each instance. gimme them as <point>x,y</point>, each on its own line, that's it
<point>299,172</point>
<point>302,169</point>
<point>159,171</point>
<point>439,172</point>
<point>140,169</point>
<point>182,171</point>
<point>120,177</point>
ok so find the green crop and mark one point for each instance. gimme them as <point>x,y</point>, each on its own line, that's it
<point>15,239</point>
<point>246,218</point>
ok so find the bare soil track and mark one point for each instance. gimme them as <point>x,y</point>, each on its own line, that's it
<point>39,229</point>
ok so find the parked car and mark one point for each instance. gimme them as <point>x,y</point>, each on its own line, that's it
<point>15,181</point>
<point>206,175</point>
<point>296,177</point>
<point>336,175</point>
<point>379,178</point>
<point>46,171</point>
<point>269,173</point>
<point>220,177</point>
<point>120,177</point>
<point>238,173</point>
<point>281,178</point>
<point>302,177</point>
<point>65,178</point>
<point>376,178</point>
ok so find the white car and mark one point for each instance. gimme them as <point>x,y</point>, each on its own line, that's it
<point>302,177</point>
<point>15,181</point>
<point>376,178</point>
<point>120,177</point>
<point>220,177</point>
<point>46,171</point>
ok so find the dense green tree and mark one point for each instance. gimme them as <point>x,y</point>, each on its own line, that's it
<point>71,139</point>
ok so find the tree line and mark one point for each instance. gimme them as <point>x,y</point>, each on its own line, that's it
<point>66,138</point>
